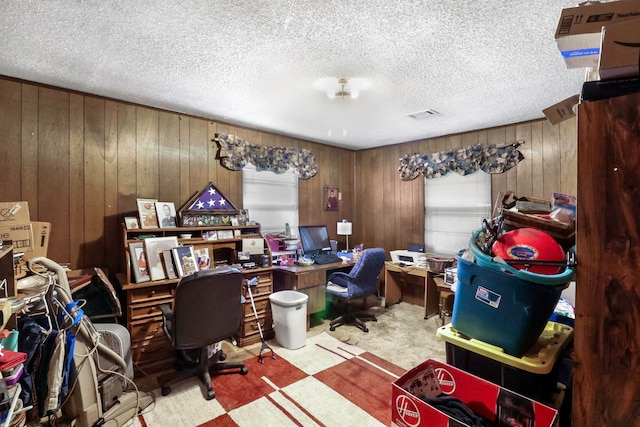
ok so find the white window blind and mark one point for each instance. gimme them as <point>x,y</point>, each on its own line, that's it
<point>454,207</point>
<point>271,199</point>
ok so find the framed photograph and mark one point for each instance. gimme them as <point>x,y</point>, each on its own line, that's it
<point>147,213</point>
<point>243,217</point>
<point>185,260</point>
<point>202,257</point>
<point>155,247</point>
<point>169,265</point>
<point>225,234</point>
<point>235,221</point>
<point>131,222</point>
<point>166,214</point>
<point>331,196</point>
<point>139,265</point>
<point>210,235</point>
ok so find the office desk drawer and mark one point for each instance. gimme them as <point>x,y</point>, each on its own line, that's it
<point>263,288</point>
<point>147,329</point>
<point>312,278</point>
<point>151,293</point>
<point>151,350</point>
<point>250,327</point>
<point>263,305</point>
<point>143,311</point>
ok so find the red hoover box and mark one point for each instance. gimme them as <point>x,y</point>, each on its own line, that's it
<point>495,404</point>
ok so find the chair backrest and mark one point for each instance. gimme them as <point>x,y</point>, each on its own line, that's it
<point>364,273</point>
<point>207,308</point>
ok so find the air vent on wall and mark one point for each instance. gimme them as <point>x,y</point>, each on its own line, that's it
<point>424,113</point>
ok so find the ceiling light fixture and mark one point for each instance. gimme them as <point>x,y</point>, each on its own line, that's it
<point>343,91</point>
<point>342,87</point>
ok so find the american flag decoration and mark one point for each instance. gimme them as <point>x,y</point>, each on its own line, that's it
<point>205,207</point>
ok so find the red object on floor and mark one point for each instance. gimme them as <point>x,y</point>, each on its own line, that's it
<point>530,244</point>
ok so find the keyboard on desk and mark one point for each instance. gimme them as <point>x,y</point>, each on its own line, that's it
<point>326,258</point>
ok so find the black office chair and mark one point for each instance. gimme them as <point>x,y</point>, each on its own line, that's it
<point>207,309</point>
<point>360,282</point>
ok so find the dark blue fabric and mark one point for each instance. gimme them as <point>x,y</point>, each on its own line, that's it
<point>362,280</point>
<point>30,340</point>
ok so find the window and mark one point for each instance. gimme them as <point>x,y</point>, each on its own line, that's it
<point>454,207</point>
<point>271,199</point>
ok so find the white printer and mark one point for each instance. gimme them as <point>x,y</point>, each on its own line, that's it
<point>419,259</point>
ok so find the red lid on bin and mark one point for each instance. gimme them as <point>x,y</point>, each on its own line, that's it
<point>530,244</point>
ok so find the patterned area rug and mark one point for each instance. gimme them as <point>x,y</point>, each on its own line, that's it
<point>325,383</point>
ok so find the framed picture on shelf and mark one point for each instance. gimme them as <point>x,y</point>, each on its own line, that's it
<point>185,260</point>
<point>166,214</point>
<point>225,234</point>
<point>155,247</point>
<point>131,222</point>
<point>147,213</point>
<point>210,235</point>
<point>331,194</point>
<point>169,265</point>
<point>139,265</point>
<point>202,257</point>
<point>243,217</point>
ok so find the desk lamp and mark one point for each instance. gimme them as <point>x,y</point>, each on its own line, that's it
<point>344,229</point>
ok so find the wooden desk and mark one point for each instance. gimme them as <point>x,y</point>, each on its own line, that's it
<point>402,283</point>
<point>310,280</point>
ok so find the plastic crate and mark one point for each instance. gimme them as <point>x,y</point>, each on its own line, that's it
<point>502,308</point>
<point>534,375</point>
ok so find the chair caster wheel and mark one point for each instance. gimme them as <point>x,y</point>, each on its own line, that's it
<point>211,394</point>
<point>332,328</point>
<point>365,329</point>
<point>166,390</point>
<point>244,370</point>
<point>223,355</point>
<point>374,319</point>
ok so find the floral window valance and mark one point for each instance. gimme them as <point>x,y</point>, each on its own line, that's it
<point>489,159</point>
<point>234,153</point>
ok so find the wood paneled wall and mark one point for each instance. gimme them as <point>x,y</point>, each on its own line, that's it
<point>81,161</point>
<point>389,212</point>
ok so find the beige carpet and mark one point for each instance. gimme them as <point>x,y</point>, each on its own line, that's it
<point>401,335</point>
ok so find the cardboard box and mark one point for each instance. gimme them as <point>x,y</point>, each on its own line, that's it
<point>562,111</point>
<point>21,235</point>
<point>578,32</point>
<point>41,233</point>
<point>488,400</point>
<point>14,213</point>
<point>620,50</point>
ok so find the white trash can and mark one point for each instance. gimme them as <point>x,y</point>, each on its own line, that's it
<point>289,311</point>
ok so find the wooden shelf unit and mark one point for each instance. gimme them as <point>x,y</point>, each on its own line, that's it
<point>151,351</point>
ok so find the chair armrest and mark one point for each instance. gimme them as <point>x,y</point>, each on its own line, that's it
<point>167,320</point>
<point>338,274</point>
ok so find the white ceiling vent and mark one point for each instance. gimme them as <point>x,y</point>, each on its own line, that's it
<point>423,114</point>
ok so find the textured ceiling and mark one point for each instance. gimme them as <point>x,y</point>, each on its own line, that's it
<point>257,63</point>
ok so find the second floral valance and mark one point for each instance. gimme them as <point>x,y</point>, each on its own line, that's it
<point>234,153</point>
<point>490,159</point>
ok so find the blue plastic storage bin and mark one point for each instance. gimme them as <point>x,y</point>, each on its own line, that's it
<point>485,260</point>
<point>501,308</point>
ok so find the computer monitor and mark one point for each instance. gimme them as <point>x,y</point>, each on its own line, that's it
<point>314,239</point>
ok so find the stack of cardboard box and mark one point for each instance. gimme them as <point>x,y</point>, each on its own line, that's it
<point>604,38</point>
<point>29,237</point>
